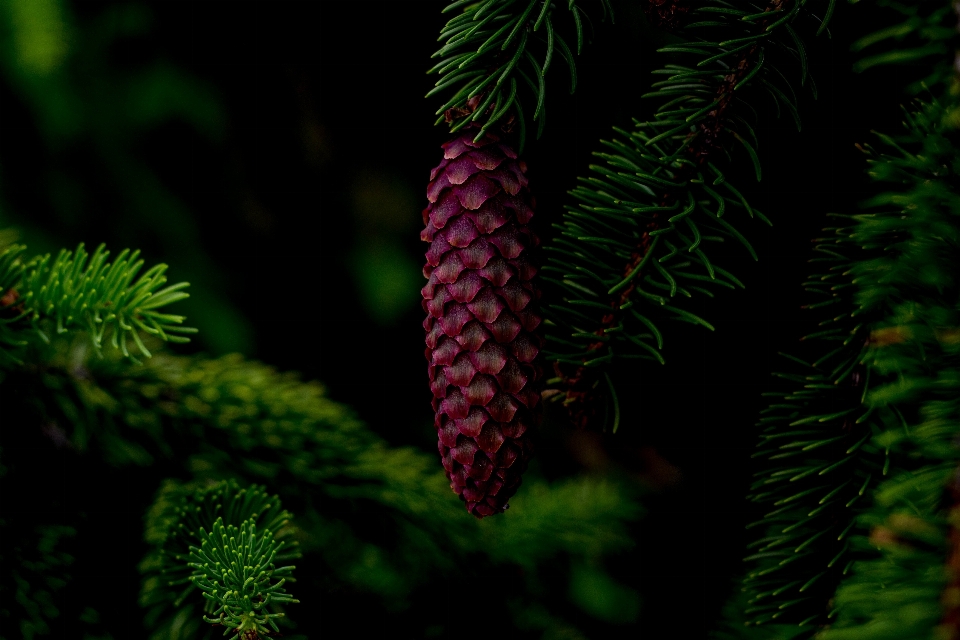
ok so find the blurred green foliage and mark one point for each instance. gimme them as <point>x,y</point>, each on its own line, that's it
<point>41,571</point>
<point>89,110</point>
<point>384,210</point>
<point>592,589</point>
<point>378,526</point>
<point>85,99</point>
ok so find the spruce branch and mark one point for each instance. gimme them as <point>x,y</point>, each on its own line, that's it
<point>904,579</point>
<point>907,545</point>
<point>490,59</point>
<point>819,463</point>
<point>242,419</point>
<point>47,295</point>
<point>235,569</point>
<point>899,290</point>
<point>184,557</point>
<point>646,215</point>
<point>245,420</point>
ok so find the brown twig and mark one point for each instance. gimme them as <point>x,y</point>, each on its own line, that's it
<point>950,598</point>
<point>8,306</point>
<point>666,14</point>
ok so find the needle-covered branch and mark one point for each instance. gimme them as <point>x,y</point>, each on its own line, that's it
<point>636,243</point>
<point>234,567</point>
<point>818,463</point>
<point>225,542</point>
<point>862,539</point>
<point>111,300</point>
<point>211,420</point>
<point>908,536</point>
<point>495,51</point>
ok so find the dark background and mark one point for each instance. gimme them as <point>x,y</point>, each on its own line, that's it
<point>286,183</point>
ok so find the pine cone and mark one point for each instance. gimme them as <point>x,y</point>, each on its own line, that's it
<point>480,298</point>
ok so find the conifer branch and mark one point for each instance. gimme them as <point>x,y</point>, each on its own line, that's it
<point>233,565</point>
<point>644,216</point>
<point>819,461</point>
<point>234,568</point>
<point>241,419</point>
<point>244,420</point>
<point>46,295</point>
<point>899,264</point>
<point>917,357</point>
<point>489,60</point>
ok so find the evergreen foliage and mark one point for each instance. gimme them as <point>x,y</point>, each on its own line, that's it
<point>635,244</point>
<point>819,460</point>
<point>92,109</point>
<point>242,421</point>
<point>490,48</point>
<point>921,38</point>
<point>234,567</point>
<point>175,568</point>
<point>107,299</point>
<point>907,534</point>
<point>858,457</point>
<point>30,589</point>
<point>860,461</point>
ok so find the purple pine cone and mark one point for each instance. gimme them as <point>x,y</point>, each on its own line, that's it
<point>480,299</point>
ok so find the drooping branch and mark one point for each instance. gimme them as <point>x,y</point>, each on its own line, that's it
<point>898,262</point>
<point>710,124</point>
<point>492,54</point>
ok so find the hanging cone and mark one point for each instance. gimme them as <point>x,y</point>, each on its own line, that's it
<point>480,300</point>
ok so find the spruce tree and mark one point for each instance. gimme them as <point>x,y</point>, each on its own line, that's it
<point>150,490</point>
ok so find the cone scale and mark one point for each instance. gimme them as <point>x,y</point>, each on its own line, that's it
<point>481,326</point>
